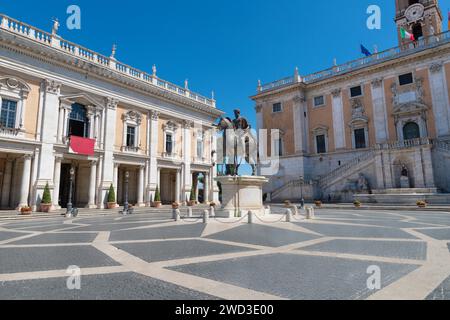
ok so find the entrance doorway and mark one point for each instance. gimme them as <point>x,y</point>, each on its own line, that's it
<point>167,186</point>
<point>64,186</point>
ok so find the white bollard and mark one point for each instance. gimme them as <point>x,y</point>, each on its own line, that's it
<point>177,215</point>
<point>212,212</point>
<point>250,217</point>
<point>295,209</point>
<point>189,212</point>
<point>205,216</point>
<point>267,210</point>
<point>310,213</point>
<point>288,215</point>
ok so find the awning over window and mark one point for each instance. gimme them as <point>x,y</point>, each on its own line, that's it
<point>82,146</point>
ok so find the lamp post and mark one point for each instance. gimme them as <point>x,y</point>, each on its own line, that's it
<point>69,203</point>
<point>302,200</point>
<point>126,204</point>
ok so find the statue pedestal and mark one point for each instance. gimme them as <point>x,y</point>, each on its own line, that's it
<point>241,194</point>
<point>404,183</point>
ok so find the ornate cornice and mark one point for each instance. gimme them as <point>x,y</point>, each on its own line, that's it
<point>53,56</point>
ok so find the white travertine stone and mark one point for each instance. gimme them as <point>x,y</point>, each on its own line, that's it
<point>338,120</point>
<point>288,215</point>
<point>241,193</point>
<point>310,215</point>
<point>205,216</point>
<point>379,111</point>
<point>25,183</point>
<point>439,95</point>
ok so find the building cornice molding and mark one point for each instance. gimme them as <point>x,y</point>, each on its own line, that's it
<point>59,58</point>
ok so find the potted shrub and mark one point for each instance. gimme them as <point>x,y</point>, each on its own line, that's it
<point>175,205</point>
<point>111,198</point>
<point>318,203</point>
<point>421,204</point>
<point>157,200</point>
<point>25,211</point>
<point>287,204</point>
<point>213,204</point>
<point>357,204</point>
<point>46,203</point>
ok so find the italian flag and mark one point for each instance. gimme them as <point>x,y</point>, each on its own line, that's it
<point>406,35</point>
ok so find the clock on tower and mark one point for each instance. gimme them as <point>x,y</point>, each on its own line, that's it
<point>422,18</point>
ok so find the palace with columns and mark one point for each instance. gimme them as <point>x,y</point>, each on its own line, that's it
<point>53,91</point>
<point>374,126</point>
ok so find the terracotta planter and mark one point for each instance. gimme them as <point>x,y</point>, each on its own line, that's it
<point>46,207</point>
<point>175,205</point>
<point>156,204</point>
<point>422,206</point>
<point>26,212</point>
<point>357,206</point>
<point>191,203</point>
<point>318,204</point>
<point>111,205</point>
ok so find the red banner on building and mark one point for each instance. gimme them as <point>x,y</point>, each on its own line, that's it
<point>83,146</point>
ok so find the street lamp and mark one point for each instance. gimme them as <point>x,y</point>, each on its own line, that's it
<point>69,203</point>
<point>302,200</point>
<point>126,204</point>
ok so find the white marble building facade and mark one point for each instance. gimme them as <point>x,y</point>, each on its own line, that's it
<point>142,126</point>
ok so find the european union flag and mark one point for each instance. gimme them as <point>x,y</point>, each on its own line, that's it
<point>365,51</point>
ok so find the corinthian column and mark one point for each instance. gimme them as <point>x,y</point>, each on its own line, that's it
<point>25,184</point>
<point>56,182</point>
<point>92,185</point>
<point>140,194</point>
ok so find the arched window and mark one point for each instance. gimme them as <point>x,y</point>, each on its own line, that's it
<point>411,131</point>
<point>417,31</point>
<point>78,121</point>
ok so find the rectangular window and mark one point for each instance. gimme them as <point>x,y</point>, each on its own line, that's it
<point>319,101</point>
<point>277,108</point>
<point>321,144</point>
<point>199,148</point>
<point>169,143</point>
<point>8,114</point>
<point>356,91</point>
<point>405,79</point>
<point>131,136</point>
<point>360,139</point>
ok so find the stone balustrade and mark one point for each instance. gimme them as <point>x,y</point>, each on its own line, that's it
<point>54,41</point>
<point>393,53</point>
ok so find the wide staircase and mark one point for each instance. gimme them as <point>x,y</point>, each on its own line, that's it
<point>360,162</point>
<point>332,177</point>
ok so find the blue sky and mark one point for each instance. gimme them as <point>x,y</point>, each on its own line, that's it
<point>219,45</point>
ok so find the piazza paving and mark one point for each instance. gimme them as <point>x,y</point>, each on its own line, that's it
<point>150,256</point>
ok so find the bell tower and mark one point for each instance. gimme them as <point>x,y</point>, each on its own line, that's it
<point>422,18</point>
